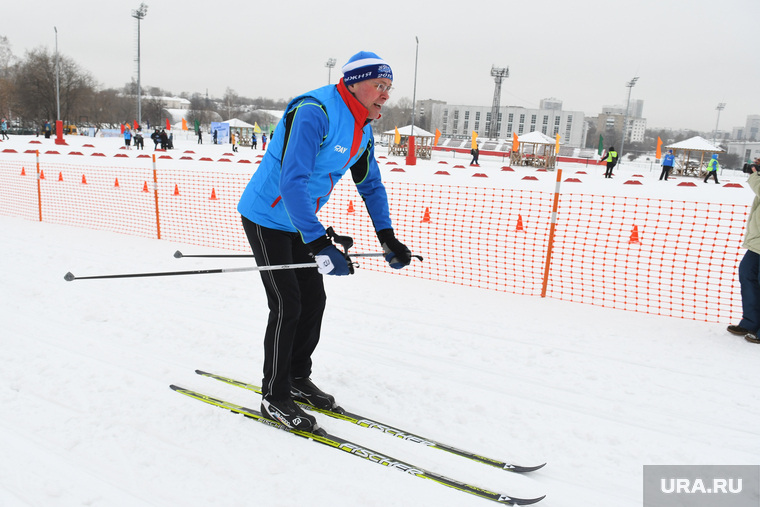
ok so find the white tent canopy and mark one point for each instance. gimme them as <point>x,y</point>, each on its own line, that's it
<point>407,131</point>
<point>536,137</point>
<point>234,122</point>
<point>695,143</point>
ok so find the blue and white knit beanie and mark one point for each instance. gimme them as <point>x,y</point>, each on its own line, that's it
<point>365,65</point>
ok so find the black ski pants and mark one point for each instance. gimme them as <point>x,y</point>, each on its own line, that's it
<point>296,299</point>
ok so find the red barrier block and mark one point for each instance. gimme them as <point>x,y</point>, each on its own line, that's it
<point>445,173</point>
<point>632,182</point>
<point>480,175</point>
<point>687,184</point>
<point>507,168</point>
<point>530,178</point>
<point>397,170</point>
<point>733,185</point>
<point>572,180</point>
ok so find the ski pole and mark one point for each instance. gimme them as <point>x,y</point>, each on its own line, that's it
<point>180,255</point>
<point>70,276</point>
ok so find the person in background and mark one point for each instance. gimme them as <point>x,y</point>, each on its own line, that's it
<point>611,159</point>
<point>200,135</point>
<point>264,141</point>
<point>232,141</point>
<point>667,165</point>
<point>749,267</point>
<point>4,129</point>
<point>156,136</point>
<point>253,141</point>
<point>475,152</point>
<point>127,137</point>
<point>323,134</point>
<point>139,141</point>
<point>712,168</point>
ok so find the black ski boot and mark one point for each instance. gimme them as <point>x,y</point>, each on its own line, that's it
<point>303,389</point>
<point>288,413</point>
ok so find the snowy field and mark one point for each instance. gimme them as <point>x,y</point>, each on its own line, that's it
<point>87,416</point>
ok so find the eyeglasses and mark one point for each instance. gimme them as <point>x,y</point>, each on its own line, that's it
<point>384,88</point>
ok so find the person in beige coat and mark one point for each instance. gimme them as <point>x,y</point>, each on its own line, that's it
<point>749,267</point>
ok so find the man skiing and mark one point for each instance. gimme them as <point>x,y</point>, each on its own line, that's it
<point>323,134</point>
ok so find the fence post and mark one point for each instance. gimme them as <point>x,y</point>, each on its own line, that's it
<point>551,233</point>
<point>39,190</point>
<point>155,194</point>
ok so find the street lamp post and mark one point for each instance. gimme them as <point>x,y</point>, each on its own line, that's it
<point>139,14</point>
<point>630,84</point>
<point>330,64</point>
<point>414,93</point>
<point>720,108</point>
<point>57,78</point>
<point>411,153</point>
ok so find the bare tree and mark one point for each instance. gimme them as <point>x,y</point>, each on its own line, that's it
<point>35,83</point>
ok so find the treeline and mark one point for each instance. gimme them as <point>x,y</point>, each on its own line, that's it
<point>28,97</point>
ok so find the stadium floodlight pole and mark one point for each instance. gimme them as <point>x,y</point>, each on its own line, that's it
<point>330,64</point>
<point>720,108</point>
<point>139,14</point>
<point>630,84</point>
<point>70,276</point>
<point>57,77</point>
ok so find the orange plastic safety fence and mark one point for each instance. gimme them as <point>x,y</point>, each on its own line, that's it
<point>656,256</point>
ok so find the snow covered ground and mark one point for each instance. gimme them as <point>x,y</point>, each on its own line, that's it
<point>87,416</point>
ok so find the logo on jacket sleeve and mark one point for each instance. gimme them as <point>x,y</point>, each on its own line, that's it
<point>340,149</point>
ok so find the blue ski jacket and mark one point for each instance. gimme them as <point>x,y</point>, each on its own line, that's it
<point>322,135</point>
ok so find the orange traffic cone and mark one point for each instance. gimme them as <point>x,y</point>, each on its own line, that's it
<point>116,183</point>
<point>145,186</point>
<point>42,174</point>
<point>23,172</point>
<point>350,206</point>
<point>426,216</point>
<point>84,180</point>
<point>176,189</point>
<point>519,224</point>
<point>213,194</point>
<point>634,235</point>
<point>60,176</point>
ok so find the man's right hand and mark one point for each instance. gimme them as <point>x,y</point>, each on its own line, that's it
<point>330,261</point>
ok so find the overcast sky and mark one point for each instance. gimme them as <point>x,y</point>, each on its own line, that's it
<point>689,55</point>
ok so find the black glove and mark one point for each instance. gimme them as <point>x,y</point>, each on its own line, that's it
<point>396,253</point>
<point>330,260</point>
